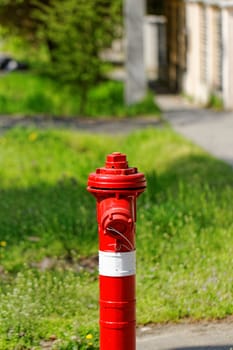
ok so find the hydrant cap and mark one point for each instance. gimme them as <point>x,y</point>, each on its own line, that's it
<point>116,160</point>
<point>116,176</point>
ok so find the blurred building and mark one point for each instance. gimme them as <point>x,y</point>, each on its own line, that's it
<point>200,48</point>
<point>189,45</point>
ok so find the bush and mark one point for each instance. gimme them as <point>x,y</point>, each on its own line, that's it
<point>30,94</point>
<point>75,33</point>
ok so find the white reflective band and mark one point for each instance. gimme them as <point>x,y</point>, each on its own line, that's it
<point>117,264</point>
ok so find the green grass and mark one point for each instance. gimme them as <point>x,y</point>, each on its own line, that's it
<point>30,94</point>
<point>184,234</point>
<point>215,102</point>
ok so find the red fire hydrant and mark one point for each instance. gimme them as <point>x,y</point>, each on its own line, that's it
<point>116,187</point>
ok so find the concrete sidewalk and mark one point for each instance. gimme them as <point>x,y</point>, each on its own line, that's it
<point>213,131</point>
<point>209,129</point>
<point>202,336</point>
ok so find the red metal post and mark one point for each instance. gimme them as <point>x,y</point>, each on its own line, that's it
<point>116,187</point>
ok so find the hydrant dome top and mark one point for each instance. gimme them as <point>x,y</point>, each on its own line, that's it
<point>116,160</point>
<point>116,175</point>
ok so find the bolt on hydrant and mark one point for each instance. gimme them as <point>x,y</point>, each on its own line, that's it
<point>116,188</point>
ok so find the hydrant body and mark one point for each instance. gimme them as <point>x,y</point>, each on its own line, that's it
<point>116,187</point>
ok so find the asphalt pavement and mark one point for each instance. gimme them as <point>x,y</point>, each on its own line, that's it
<point>199,336</point>
<point>213,131</point>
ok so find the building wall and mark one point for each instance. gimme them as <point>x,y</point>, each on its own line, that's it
<point>216,57</point>
<point>201,53</point>
<point>227,19</point>
<point>155,47</point>
<point>176,42</point>
<point>229,100</point>
<point>200,49</point>
<point>211,46</point>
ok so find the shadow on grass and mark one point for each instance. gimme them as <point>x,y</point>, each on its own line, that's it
<point>60,220</point>
<point>193,171</point>
<point>49,220</point>
<point>193,194</point>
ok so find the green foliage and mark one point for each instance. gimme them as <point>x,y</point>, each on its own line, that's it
<point>68,34</point>
<point>108,99</point>
<point>215,102</point>
<point>76,32</point>
<point>184,234</point>
<point>30,94</point>
<point>17,17</point>
<point>22,50</point>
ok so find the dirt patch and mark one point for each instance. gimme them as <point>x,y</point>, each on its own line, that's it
<point>88,264</point>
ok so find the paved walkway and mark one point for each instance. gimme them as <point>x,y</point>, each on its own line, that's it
<point>212,130</point>
<point>202,336</point>
<point>110,126</point>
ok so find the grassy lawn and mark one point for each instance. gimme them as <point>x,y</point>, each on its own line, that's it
<point>48,234</point>
<point>30,94</point>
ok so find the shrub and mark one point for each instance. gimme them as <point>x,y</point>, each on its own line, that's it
<point>75,33</point>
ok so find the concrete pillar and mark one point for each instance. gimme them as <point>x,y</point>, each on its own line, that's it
<point>135,85</point>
